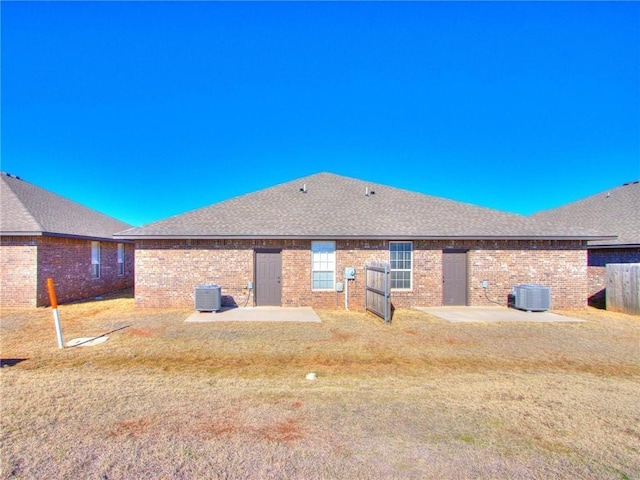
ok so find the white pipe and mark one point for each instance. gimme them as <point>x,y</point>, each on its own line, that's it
<point>346,293</point>
<point>56,320</point>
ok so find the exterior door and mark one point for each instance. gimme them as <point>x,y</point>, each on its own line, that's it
<point>454,277</point>
<point>268,289</point>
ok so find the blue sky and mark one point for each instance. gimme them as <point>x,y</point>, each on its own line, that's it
<point>145,110</point>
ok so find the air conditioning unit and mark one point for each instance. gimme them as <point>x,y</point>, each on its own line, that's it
<point>532,297</point>
<point>208,298</point>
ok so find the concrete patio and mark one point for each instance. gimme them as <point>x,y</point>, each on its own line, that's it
<point>461,314</point>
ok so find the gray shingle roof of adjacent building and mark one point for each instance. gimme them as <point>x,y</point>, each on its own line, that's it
<point>30,210</point>
<point>332,206</point>
<point>616,211</point>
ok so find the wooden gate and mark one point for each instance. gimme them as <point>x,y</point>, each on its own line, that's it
<point>377,289</point>
<point>623,287</point>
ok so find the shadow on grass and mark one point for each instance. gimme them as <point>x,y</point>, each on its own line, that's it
<point>598,300</point>
<point>99,336</point>
<point>11,362</point>
<point>126,293</point>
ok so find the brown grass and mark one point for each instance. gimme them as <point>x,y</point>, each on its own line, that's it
<point>420,398</point>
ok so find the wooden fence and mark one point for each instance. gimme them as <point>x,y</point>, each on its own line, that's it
<point>623,287</point>
<point>377,289</point>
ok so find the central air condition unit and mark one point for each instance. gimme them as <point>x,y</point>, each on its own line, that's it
<point>532,297</point>
<point>208,298</point>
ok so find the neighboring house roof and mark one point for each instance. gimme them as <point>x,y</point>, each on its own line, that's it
<point>332,206</point>
<point>31,210</point>
<point>616,211</point>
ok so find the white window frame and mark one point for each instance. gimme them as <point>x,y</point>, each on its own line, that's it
<point>95,259</point>
<point>121,259</point>
<point>323,260</point>
<point>410,270</point>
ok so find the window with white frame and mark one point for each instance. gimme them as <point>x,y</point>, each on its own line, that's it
<point>323,268</point>
<point>121,259</point>
<point>95,259</point>
<point>401,259</point>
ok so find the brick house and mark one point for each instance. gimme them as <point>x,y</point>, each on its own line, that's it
<point>45,235</point>
<point>616,211</point>
<point>294,240</point>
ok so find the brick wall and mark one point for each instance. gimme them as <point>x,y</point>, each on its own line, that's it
<point>27,262</point>
<point>559,265</point>
<point>68,262</point>
<point>19,271</point>
<point>170,270</point>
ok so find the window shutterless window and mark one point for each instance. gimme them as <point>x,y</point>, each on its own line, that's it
<point>95,259</point>
<point>323,265</point>
<point>121,259</point>
<point>401,259</point>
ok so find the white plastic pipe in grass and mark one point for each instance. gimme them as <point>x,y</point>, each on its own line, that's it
<point>54,306</point>
<point>346,293</point>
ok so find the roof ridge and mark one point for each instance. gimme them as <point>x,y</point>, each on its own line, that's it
<point>450,201</point>
<point>35,209</point>
<point>595,195</point>
<point>338,206</point>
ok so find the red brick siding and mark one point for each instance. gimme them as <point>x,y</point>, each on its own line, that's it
<point>559,265</point>
<point>19,271</point>
<point>169,270</point>
<point>597,283</point>
<point>67,261</point>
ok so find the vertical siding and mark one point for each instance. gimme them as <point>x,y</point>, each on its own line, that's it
<point>623,287</point>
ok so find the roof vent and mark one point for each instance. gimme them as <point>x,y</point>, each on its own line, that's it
<point>304,188</point>
<point>368,192</point>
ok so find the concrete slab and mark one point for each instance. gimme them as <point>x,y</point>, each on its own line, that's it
<point>493,314</point>
<point>257,314</point>
<point>86,341</point>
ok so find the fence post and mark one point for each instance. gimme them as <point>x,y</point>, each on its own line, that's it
<point>387,293</point>
<point>366,279</point>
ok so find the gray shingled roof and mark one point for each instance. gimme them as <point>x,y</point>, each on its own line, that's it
<point>337,207</point>
<point>616,210</point>
<point>31,210</point>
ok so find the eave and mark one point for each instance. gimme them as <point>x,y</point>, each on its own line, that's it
<point>62,235</point>
<point>365,237</point>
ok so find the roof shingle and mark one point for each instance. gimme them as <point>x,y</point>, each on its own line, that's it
<point>31,210</point>
<point>334,206</point>
<point>616,210</point>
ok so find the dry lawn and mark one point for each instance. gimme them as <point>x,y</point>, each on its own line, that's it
<point>420,398</point>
